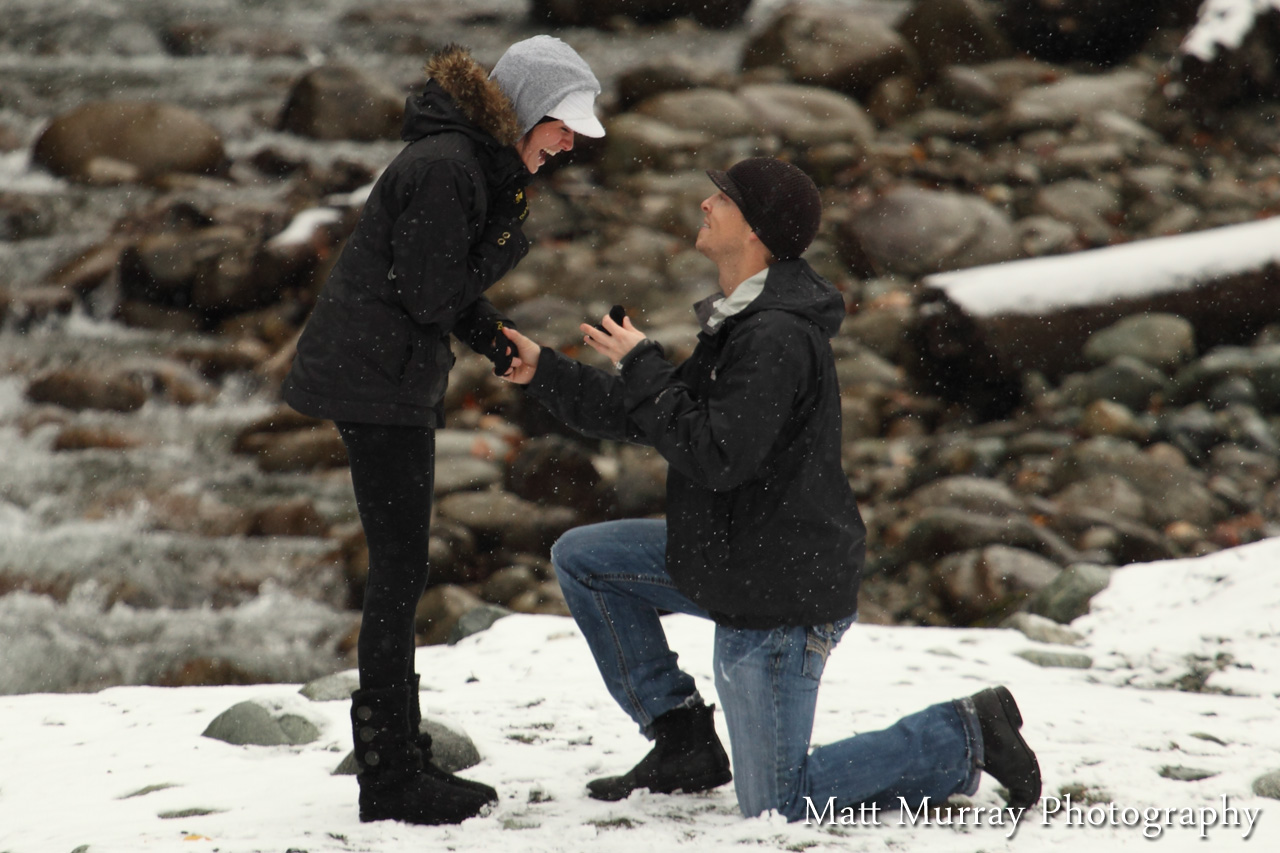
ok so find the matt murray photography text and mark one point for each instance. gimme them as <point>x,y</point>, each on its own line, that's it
<point>1151,821</point>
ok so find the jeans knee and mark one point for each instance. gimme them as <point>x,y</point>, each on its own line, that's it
<point>566,554</point>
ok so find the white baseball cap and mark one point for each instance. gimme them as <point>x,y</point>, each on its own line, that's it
<point>577,110</point>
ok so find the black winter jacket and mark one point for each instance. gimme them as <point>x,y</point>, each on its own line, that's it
<point>762,526</point>
<point>376,348</point>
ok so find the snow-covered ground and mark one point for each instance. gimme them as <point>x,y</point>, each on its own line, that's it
<point>127,769</point>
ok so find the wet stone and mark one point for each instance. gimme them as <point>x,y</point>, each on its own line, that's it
<point>1056,660</point>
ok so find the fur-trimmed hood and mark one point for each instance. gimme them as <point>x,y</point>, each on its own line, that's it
<point>472,101</point>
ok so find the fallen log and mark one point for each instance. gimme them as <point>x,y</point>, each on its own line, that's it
<point>979,329</point>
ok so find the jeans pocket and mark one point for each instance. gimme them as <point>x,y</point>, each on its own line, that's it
<point>819,641</point>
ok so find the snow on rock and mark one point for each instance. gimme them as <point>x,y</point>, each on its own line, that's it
<point>1223,24</point>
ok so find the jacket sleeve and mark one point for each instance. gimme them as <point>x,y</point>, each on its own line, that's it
<point>477,323</point>
<point>721,440</point>
<point>583,397</point>
<point>439,267</point>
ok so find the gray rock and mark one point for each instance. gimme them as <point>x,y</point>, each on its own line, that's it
<point>474,621</point>
<point>711,111</point>
<point>1105,418</point>
<point>331,688</point>
<point>1126,380</point>
<point>603,13</point>
<point>636,142</point>
<point>856,365</point>
<point>464,473</point>
<point>342,102</point>
<point>976,584</point>
<point>1261,365</point>
<point>976,494</point>
<point>1067,597</point>
<point>1178,773</point>
<point>1165,341</point>
<point>851,51</point>
<point>1107,494</point>
<point>503,518</point>
<point>1063,103</point>
<point>507,583</point>
<point>939,531</point>
<point>808,116</point>
<point>1268,785</point>
<point>1050,659</point>
<point>915,232</point>
<point>452,749</point>
<point>1173,490</point>
<point>672,73</point>
<point>260,723</point>
<point>1043,235</point>
<point>1042,630</point>
<point>1084,203</point>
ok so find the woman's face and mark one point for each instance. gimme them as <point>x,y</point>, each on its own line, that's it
<point>544,142</point>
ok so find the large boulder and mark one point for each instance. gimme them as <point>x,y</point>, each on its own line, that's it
<point>915,232</point>
<point>711,111</point>
<point>807,115</point>
<point>853,52</point>
<point>341,102</point>
<point>118,141</point>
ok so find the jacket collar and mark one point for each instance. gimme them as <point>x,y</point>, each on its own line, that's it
<point>480,100</point>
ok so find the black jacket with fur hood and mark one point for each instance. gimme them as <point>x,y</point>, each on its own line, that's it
<point>763,529</point>
<point>425,249</point>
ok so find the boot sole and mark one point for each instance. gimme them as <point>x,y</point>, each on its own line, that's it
<point>602,789</point>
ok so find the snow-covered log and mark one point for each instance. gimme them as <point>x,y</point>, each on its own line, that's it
<point>980,328</point>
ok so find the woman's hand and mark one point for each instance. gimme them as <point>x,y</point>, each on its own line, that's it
<point>525,364</point>
<point>615,341</point>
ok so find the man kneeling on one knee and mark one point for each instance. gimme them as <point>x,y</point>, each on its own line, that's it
<point>762,535</point>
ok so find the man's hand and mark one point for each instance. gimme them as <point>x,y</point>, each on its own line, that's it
<point>525,364</point>
<point>610,339</point>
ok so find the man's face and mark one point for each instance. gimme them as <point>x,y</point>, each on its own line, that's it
<point>724,229</point>
<point>545,141</point>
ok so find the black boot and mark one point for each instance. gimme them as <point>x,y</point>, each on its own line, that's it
<point>423,741</point>
<point>687,756</point>
<point>1007,756</point>
<point>393,785</point>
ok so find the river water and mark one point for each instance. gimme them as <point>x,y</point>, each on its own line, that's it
<point>116,600</point>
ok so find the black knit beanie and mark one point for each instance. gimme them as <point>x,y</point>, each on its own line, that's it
<point>778,200</point>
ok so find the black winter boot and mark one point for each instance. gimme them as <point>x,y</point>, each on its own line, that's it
<point>687,756</point>
<point>1007,756</point>
<point>423,741</point>
<point>393,785</point>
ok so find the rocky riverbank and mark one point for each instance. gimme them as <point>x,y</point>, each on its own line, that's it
<point>165,520</point>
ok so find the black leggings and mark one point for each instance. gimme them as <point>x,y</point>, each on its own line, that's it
<point>393,474</point>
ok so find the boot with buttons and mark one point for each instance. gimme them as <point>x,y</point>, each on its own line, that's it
<point>393,782</point>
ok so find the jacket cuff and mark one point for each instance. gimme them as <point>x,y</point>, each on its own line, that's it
<point>543,379</point>
<point>639,351</point>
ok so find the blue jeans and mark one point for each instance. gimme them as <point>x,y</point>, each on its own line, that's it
<point>615,581</point>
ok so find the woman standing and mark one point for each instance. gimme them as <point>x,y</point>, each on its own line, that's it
<point>441,225</point>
